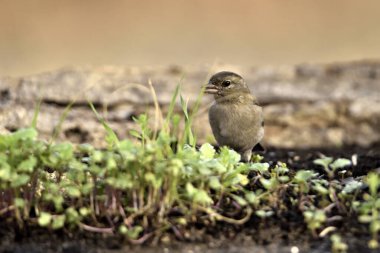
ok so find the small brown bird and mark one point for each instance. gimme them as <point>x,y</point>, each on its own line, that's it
<point>235,117</point>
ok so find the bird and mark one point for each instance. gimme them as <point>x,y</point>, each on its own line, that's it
<point>235,117</point>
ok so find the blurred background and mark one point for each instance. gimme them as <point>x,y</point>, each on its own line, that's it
<point>42,35</point>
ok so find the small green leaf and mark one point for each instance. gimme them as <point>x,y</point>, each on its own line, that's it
<point>150,177</point>
<point>72,215</point>
<point>256,158</point>
<point>27,165</point>
<point>111,163</point>
<point>58,201</point>
<point>324,162</point>
<point>269,184</point>
<point>64,151</point>
<point>122,181</point>
<point>44,219</point>
<point>251,198</point>
<point>87,188</point>
<point>373,181</point>
<point>20,180</point>
<point>215,166</point>
<point>373,244</point>
<point>304,175</point>
<point>337,244</point>
<point>263,213</point>
<point>190,189</point>
<point>283,179</point>
<point>375,226</point>
<point>86,148</point>
<point>58,222</point>
<point>259,167</point>
<point>97,156</point>
<point>73,191</point>
<point>351,187</point>
<point>365,218</point>
<point>214,183</point>
<point>135,133</point>
<point>207,151</point>
<point>228,156</point>
<point>340,163</point>
<point>123,229</point>
<point>19,202</point>
<point>175,167</point>
<point>181,221</point>
<point>281,168</point>
<point>202,197</point>
<point>314,218</point>
<point>84,211</point>
<point>320,189</point>
<point>243,179</point>
<point>25,134</point>
<point>5,171</point>
<point>241,201</point>
<point>134,232</point>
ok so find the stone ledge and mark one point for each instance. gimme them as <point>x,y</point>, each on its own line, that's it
<point>306,105</point>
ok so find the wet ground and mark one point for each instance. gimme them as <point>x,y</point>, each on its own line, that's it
<point>270,237</point>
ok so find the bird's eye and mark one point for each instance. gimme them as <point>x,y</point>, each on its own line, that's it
<point>226,83</point>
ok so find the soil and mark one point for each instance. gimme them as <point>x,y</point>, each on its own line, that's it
<point>283,235</point>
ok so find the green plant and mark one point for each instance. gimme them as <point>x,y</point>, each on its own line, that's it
<point>330,166</point>
<point>369,209</point>
<point>337,244</point>
<point>314,218</point>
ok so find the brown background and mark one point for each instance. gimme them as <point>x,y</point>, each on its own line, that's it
<point>40,35</point>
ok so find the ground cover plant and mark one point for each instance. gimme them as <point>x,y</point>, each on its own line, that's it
<point>164,184</point>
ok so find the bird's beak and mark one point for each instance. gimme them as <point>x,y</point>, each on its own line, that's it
<point>211,89</point>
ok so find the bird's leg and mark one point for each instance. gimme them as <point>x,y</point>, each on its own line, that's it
<point>246,155</point>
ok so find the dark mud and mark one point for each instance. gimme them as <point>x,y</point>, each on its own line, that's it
<point>286,234</point>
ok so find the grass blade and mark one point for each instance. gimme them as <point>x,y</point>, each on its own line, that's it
<point>111,137</point>
<point>173,100</point>
<point>58,128</point>
<point>36,112</point>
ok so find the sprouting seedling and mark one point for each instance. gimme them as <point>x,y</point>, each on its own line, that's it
<point>324,162</point>
<point>340,163</point>
<point>302,177</point>
<point>330,166</point>
<point>314,218</point>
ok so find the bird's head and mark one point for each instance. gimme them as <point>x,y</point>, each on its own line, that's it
<point>226,84</point>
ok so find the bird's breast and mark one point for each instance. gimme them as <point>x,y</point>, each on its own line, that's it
<point>236,125</point>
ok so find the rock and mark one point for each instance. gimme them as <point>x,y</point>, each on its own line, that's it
<point>306,105</point>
